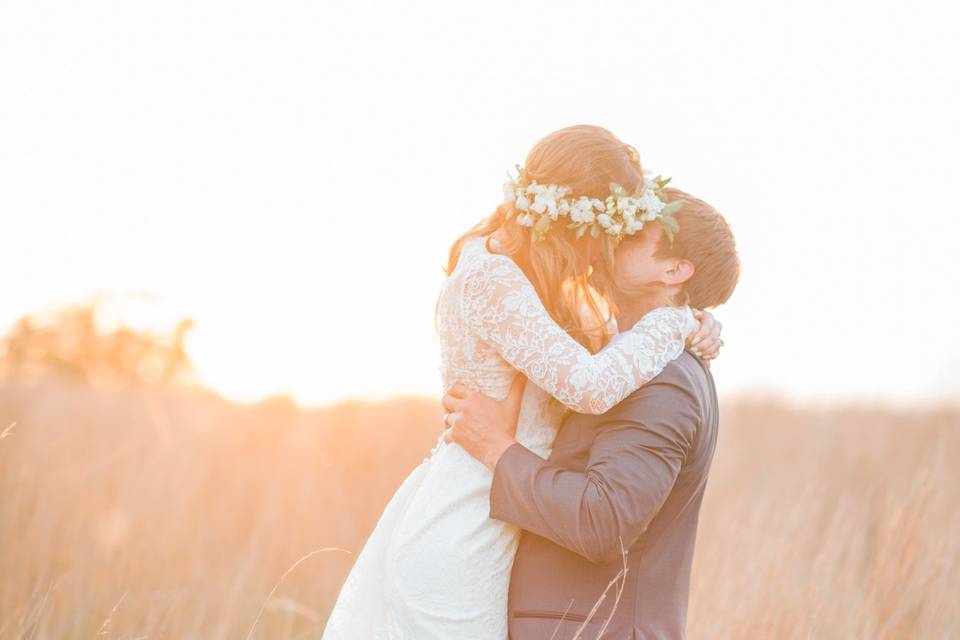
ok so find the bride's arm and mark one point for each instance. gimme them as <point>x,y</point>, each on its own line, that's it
<point>503,308</point>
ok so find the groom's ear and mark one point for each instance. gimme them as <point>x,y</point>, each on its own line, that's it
<point>678,272</point>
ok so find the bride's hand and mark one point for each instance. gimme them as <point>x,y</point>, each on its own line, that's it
<point>705,341</point>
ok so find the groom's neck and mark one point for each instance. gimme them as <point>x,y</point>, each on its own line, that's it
<point>630,311</point>
<point>629,315</point>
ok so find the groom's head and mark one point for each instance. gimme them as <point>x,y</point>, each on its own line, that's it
<point>699,268</point>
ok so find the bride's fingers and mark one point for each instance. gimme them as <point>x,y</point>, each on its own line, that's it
<point>698,336</point>
<point>708,327</point>
<point>709,342</point>
<point>458,390</point>
<point>717,329</point>
<point>710,348</point>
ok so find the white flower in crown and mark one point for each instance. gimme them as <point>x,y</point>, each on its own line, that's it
<point>619,214</point>
<point>633,225</point>
<point>581,211</point>
<point>627,206</point>
<point>651,204</point>
<point>525,220</point>
<point>546,198</point>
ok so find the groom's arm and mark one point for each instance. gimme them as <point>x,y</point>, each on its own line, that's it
<point>632,466</point>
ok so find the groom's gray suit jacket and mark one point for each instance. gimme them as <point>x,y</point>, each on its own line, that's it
<point>636,473</point>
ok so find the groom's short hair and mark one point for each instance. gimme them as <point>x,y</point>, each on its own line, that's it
<point>706,241</point>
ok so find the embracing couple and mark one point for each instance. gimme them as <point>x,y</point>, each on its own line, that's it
<point>562,499</point>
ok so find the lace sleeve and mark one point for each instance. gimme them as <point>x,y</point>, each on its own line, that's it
<point>503,308</point>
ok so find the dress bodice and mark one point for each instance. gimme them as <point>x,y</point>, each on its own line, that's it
<point>492,323</point>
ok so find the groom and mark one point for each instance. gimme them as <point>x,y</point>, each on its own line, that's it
<point>614,509</point>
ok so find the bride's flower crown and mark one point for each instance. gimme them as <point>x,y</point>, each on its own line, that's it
<point>539,206</point>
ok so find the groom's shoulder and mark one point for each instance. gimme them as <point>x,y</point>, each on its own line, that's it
<point>685,372</point>
<point>685,380</point>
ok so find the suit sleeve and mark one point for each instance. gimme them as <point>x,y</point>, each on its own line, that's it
<point>634,461</point>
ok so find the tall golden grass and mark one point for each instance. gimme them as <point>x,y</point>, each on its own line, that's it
<point>147,514</point>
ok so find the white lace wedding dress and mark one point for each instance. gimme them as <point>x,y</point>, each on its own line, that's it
<point>437,566</point>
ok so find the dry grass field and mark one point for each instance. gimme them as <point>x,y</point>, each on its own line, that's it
<point>134,514</point>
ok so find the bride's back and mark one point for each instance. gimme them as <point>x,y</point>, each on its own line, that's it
<point>464,357</point>
<point>467,358</point>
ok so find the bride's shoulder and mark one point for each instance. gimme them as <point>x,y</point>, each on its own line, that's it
<point>475,255</point>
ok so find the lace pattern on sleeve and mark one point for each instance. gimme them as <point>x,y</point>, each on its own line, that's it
<point>503,308</point>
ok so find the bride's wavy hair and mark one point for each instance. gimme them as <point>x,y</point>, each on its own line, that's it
<point>573,276</point>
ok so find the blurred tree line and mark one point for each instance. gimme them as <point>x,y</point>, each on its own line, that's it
<point>70,343</point>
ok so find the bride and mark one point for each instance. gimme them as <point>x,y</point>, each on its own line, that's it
<point>527,290</point>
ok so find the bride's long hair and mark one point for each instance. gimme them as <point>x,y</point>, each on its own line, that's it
<point>573,277</point>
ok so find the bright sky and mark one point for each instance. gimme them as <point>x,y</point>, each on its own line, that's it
<point>291,174</point>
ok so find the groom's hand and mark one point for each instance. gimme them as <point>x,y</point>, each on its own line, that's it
<point>483,426</point>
